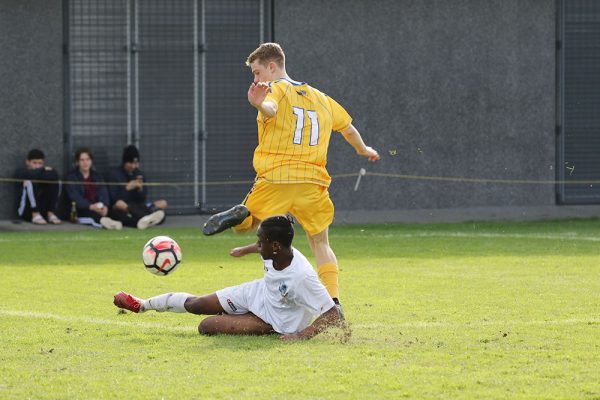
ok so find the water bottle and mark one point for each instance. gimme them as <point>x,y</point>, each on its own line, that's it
<point>73,215</point>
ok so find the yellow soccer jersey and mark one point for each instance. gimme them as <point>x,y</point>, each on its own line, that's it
<point>292,145</point>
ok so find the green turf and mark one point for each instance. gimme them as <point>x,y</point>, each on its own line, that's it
<point>437,311</point>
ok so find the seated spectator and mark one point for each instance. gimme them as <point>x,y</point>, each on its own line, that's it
<point>129,201</point>
<point>91,197</point>
<point>36,199</point>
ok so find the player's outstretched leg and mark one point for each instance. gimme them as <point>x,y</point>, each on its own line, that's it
<point>178,302</point>
<point>173,302</point>
<point>225,220</point>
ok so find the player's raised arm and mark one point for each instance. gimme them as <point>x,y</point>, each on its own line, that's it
<point>243,250</point>
<point>256,96</point>
<point>353,137</point>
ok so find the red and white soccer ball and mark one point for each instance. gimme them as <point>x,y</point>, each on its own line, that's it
<point>161,255</point>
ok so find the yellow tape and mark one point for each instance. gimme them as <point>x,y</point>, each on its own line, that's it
<point>338,176</point>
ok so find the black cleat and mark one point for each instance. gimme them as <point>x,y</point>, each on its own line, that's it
<point>225,220</point>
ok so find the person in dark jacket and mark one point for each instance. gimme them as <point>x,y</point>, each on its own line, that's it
<point>129,201</point>
<point>91,198</point>
<point>37,199</point>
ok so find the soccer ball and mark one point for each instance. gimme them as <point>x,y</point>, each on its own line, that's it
<point>161,255</point>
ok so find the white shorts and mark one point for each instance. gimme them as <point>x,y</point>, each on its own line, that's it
<point>253,297</point>
<point>244,298</point>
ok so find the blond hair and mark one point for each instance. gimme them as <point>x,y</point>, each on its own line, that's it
<point>266,53</point>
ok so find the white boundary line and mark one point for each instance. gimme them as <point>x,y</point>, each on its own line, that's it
<point>97,321</point>
<point>192,327</point>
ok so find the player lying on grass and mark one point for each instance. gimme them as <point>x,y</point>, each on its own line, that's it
<point>285,301</point>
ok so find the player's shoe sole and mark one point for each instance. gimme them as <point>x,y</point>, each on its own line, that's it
<point>225,220</point>
<point>151,219</point>
<point>128,302</point>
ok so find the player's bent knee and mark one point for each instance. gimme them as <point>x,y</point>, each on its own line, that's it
<point>208,326</point>
<point>217,324</point>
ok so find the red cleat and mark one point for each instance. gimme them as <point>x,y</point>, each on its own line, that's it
<point>128,302</point>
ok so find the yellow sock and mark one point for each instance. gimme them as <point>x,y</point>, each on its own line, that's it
<point>328,274</point>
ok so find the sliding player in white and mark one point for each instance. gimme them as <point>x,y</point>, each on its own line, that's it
<point>285,301</point>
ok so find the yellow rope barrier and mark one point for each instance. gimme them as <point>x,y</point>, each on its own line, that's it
<point>339,176</point>
<point>483,180</point>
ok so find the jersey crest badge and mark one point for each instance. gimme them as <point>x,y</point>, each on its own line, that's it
<point>283,289</point>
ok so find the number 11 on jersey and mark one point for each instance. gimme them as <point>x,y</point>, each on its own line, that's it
<point>314,126</point>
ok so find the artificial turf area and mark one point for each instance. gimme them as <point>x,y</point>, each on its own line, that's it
<point>493,310</point>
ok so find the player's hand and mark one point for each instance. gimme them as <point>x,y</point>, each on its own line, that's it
<point>237,252</point>
<point>257,92</point>
<point>370,153</point>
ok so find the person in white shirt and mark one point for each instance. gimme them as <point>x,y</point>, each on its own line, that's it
<point>284,301</point>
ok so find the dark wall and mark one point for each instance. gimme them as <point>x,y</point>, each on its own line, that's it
<point>31,104</point>
<point>462,88</point>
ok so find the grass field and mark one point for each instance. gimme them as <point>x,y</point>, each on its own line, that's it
<point>436,311</point>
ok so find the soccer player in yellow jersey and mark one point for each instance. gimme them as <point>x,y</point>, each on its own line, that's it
<point>295,122</point>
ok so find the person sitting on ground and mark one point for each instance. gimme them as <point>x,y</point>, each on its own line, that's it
<point>284,301</point>
<point>37,199</point>
<point>91,197</point>
<point>129,201</point>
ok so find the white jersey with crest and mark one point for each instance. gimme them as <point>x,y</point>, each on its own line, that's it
<point>288,300</point>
